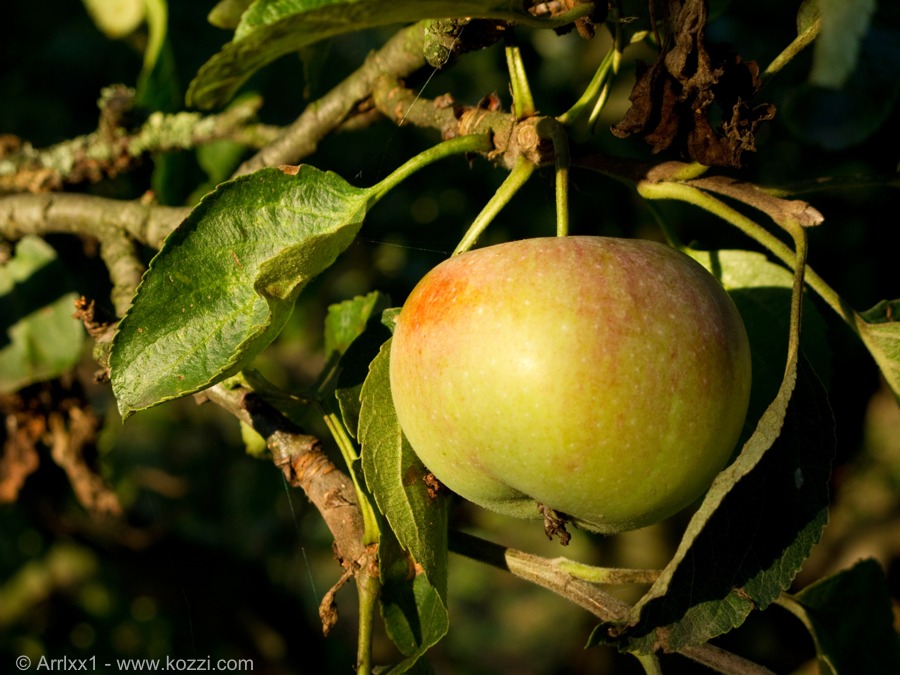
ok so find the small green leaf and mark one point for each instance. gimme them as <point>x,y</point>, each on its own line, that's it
<point>353,337</point>
<point>347,320</point>
<point>879,329</point>
<point>225,281</point>
<point>851,621</point>
<point>39,339</point>
<point>417,517</point>
<point>270,29</point>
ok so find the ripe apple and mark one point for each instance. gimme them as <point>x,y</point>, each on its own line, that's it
<point>606,379</point>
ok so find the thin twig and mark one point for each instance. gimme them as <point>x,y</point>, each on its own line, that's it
<point>110,151</point>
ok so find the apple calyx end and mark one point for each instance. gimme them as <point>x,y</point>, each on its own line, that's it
<point>554,524</point>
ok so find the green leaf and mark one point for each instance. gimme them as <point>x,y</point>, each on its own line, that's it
<point>225,281</point>
<point>852,622</point>
<point>39,339</point>
<point>844,24</point>
<point>879,329</point>
<point>741,553</point>
<point>414,612</point>
<point>353,337</point>
<point>270,29</point>
<point>837,116</point>
<point>347,320</point>
<point>417,617</point>
<point>761,291</point>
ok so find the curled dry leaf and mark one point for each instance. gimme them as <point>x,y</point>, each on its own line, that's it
<point>672,100</point>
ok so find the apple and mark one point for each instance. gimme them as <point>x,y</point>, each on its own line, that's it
<point>605,379</point>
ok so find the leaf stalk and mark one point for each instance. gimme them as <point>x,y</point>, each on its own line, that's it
<point>474,143</point>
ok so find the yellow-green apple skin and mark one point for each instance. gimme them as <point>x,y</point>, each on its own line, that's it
<point>607,379</point>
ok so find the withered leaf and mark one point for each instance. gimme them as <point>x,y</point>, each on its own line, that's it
<point>674,101</point>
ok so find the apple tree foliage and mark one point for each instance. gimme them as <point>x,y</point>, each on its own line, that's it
<point>225,281</point>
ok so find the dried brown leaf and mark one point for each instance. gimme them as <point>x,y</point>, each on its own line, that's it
<point>674,101</point>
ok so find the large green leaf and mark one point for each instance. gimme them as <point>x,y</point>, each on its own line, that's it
<point>225,281</point>
<point>39,339</point>
<point>270,29</point>
<point>762,514</point>
<point>748,549</point>
<point>850,618</point>
<point>414,604</point>
<point>761,291</point>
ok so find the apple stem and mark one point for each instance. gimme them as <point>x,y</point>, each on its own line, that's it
<point>547,574</point>
<point>515,180</point>
<point>368,586</point>
<point>557,134</point>
<point>607,575</point>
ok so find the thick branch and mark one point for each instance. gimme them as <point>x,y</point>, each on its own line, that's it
<point>113,223</point>
<point>87,216</point>
<point>401,56</point>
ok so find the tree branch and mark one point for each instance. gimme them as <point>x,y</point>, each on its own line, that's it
<point>114,223</point>
<point>112,150</point>
<point>87,216</point>
<point>401,56</point>
<point>304,464</point>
